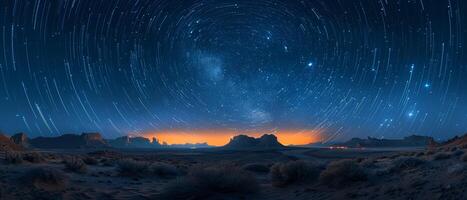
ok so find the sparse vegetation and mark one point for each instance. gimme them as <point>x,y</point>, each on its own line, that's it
<point>46,178</point>
<point>13,157</point>
<point>164,170</point>
<point>283,174</point>
<point>132,168</point>
<point>441,156</point>
<point>211,182</point>
<point>76,165</point>
<point>342,173</point>
<point>404,163</point>
<point>256,167</point>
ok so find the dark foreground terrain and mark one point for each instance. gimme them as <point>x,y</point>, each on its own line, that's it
<point>437,173</point>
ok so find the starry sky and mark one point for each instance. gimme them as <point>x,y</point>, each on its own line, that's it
<point>346,68</point>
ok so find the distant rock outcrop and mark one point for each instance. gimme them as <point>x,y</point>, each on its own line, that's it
<point>410,141</point>
<point>246,142</point>
<point>70,141</point>
<point>7,145</point>
<point>459,142</point>
<point>133,142</point>
<point>20,139</point>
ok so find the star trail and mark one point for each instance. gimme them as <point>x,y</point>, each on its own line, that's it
<point>344,68</point>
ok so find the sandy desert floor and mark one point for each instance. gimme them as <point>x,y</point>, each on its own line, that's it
<point>221,174</point>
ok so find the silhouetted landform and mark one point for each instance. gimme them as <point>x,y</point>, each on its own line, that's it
<point>20,139</point>
<point>410,141</point>
<point>267,141</point>
<point>457,141</point>
<point>70,141</point>
<point>189,145</point>
<point>8,145</point>
<point>134,142</point>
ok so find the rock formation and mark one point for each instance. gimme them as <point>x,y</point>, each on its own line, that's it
<point>246,142</point>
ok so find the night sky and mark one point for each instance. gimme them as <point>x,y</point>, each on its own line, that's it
<point>382,68</point>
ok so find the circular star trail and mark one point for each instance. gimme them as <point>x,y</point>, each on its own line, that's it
<point>345,68</point>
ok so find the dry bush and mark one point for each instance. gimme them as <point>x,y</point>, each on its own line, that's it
<point>211,182</point>
<point>441,156</point>
<point>13,157</point>
<point>33,157</point>
<point>420,154</point>
<point>342,173</point>
<point>90,160</point>
<point>404,163</point>
<point>76,165</point>
<point>256,167</point>
<point>164,170</point>
<point>458,153</point>
<point>283,174</point>
<point>368,163</point>
<point>48,179</point>
<point>132,168</point>
<point>464,158</point>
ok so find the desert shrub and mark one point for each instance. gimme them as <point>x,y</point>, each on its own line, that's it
<point>13,157</point>
<point>341,173</point>
<point>46,178</point>
<point>368,163</point>
<point>256,167</point>
<point>283,174</point>
<point>33,157</point>
<point>404,163</point>
<point>441,156</point>
<point>458,153</point>
<point>208,182</point>
<point>464,158</point>
<point>164,170</point>
<point>108,162</point>
<point>76,165</point>
<point>90,160</point>
<point>128,167</point>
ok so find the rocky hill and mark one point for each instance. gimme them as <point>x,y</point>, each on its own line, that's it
<point>134,142</point>
<point>410,141</point>
<point>266,141</point>
<point>69,141</point>
<point>6,144</point>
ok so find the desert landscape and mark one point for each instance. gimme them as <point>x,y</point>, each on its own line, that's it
<point>246,168</point>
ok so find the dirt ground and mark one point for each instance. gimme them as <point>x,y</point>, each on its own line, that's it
<point>435,177</point>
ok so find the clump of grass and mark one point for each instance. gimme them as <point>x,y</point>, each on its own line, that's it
<point>76,165</point>
<point>256,167</point>
<point>164,170</point>
<point>13,157</point>
<point>283,174</point>
<point>342,173</point>
<point>441,156</point>
<point>48,179</point>
<point>211,182</point>
<point>132,168</point>
<point>33,157</point>
<point>404,163</point>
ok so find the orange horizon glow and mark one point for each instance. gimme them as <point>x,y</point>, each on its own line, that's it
<point>222,137</point>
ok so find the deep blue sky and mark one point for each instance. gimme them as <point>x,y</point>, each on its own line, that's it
<point>350,68</point>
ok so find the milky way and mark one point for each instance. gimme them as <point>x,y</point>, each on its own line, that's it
<point>384,68</point>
